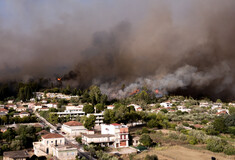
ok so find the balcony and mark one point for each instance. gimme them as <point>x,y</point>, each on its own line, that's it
<point>124,132</point>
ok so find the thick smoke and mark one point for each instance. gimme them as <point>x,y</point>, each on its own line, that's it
<point>181,47</point>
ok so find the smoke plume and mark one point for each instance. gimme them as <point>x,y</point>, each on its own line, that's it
<point>181,47</point>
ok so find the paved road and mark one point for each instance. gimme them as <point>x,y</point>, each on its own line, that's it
<point>45,121</point>
<point>70,142</point>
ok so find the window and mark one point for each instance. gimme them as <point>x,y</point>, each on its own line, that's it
<point>47,142</point>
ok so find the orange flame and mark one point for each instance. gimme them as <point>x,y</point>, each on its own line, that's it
<point>135,92</point>
<point>156,91</point>
<point>58,79</point>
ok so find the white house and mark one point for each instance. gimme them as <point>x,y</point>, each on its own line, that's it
<point>225,111</point>
<point>71,113</point>
<point>73,128</point>
<point>54,144</point>
<point>11,106</point>
<point>166,104</point>
<point>121,133</point>
<point>24,114</point>
<point>137,107</point>
<point>21,109</point>
<point>99,118</point>
<point>113,135</point>
<point>44,101</point>
<point>51,105</point>
<point>216,105</point>
<point>44,108</point>
<point>78,108</point>
<point>37,106</point>
<point>204,104</point>
<point>10,101</point>
<point>183,109</point>
<point>110,107</point>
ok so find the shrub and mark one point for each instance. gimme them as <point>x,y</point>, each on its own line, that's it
<point>186,124</point>
<point>211,131</point>
<point>231,130</point>
<point>145,130</point>
<point>179,128</point>
<point>146,140</point>
<point>172,125</point>
<point>199,135</point>
<point>229,150</point>
<point>79,140</point>
<point>204,121</point>
<point>151,157</point>
<point>164,110</point>
<point>216,144</point>
<point>152,123</point>
<point>184,131</point>
<point>173,135</point>
<point>192,140</point>
<point>182,137</point>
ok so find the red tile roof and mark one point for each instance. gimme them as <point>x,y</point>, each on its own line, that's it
<point>3,110</point>
<point>115,124</point>
<point>73,123</point>
<point>37,125</point>
<point>52,135</point>
<point>222,112</point>
<point>43,132</point>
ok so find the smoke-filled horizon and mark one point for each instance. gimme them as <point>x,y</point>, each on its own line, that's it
<point>183,47</point>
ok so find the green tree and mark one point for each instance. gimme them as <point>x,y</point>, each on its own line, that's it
<point>16,145</point>
<point>67,90</point>
<point>9,135</point>
<point>143,95</point>
<point>75,91</point>
<point>109,116</point>
<point>99,107</point>
<point>103,99</point>
<point>230,120</point>
<point>164,110</point>
<point>146,140</point>
<point>152,123</point>
<point>90,122</point>
<point>95,94</point>
<point>231,110</point>
<point>219,125</point>
<point>4,119</point>
<point>88,109</point>
<point>120,114</point>
<point>85,97</point>
<point>53,118</point>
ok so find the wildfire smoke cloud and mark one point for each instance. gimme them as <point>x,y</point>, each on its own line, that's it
<point>185,45</point>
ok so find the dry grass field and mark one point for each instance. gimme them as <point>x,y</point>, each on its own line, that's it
<point>182,153</point>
